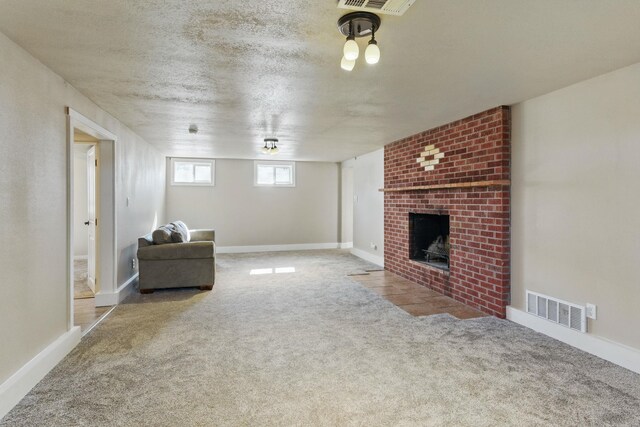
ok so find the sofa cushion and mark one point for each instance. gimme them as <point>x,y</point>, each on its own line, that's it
<point>202,235</point>
<point>162,235</point>
<point>180,233</point>
<point>191,250</point>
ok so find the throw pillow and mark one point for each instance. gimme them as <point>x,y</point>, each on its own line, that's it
<point>177,237</point>
<point>162,235</point>
<point>181,232</point>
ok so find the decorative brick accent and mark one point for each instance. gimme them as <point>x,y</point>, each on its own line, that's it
<point>474,149</point>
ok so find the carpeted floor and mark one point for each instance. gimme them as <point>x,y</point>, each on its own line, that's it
<point>313,347</point>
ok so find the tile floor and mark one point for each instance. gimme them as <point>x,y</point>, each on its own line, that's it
<point>413,298</point>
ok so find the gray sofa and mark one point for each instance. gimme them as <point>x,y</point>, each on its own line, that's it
<point>190,263</point>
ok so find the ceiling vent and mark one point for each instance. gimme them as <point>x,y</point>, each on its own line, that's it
<point>388,7</point>
<point>557,311</point>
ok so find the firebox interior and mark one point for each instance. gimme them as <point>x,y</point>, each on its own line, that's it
<point>429,239</point>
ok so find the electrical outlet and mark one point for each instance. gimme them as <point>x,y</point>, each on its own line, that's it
<point>591,311</point>
<point>133,263</point>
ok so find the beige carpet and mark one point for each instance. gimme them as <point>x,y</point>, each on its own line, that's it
<point>81,289</point>
<point>313,347</point>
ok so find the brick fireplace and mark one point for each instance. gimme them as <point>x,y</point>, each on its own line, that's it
<point>459,171</point>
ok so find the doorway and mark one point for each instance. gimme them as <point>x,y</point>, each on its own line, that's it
<point>91,221</point>
<point>85,163</point>
<point>346,205</point>
<point>84,215</point>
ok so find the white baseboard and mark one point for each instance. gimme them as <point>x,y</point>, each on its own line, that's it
<point>80,257</point>
<point>346,245</point>
<point>275,248</point>
<point>614,352</point>
<point>19,384</point>
<point>105,299</point>
<point>377,260</point>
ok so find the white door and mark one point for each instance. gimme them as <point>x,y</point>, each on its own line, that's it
<point>91,222</point>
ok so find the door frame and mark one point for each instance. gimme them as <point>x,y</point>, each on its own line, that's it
<point>106,247</point>
<point>92,210</point>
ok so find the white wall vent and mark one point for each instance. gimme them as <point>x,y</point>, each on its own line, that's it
<point>564,313</point>
<point>388,7</point>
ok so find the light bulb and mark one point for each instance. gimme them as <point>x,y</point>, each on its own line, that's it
<point>274,150</point>
<point>372,53</point>
<point>351,50</point>
<point>265,149</point>
<point>347,65</point>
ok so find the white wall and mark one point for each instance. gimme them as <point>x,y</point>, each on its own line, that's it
<point>34,290</point>
<point>245,215</point>
<point>81,214</point>
<point>576,200</point>
<point>368,206</point>
<point>346,202</point>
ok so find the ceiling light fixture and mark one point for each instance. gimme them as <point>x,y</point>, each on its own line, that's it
<point>359,24</point>
<point>372,53</point>
<point>351,50</point>
<point>347,65</point>
<point>270,146</point>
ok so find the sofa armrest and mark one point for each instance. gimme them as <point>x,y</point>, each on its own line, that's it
<point>190,250</point>
<point>203,235</point>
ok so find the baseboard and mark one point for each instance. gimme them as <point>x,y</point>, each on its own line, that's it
<point>275,248</point>
<point>80,257</point>
<point>377,260</point>
<point>105,299</point>
<point>19,384</point>
<point>346,245</point>
<point>614,352</point>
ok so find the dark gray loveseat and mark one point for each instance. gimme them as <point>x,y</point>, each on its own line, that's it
<point>186,264</point>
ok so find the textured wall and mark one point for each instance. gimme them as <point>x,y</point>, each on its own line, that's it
<point>33,285</point>
<point>246,215</point>
<point>473,149</point>
<point>368,204</point>
<point>576,202</point>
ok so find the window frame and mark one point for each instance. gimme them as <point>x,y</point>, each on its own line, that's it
<point>210,162</point>
<point>274,164</point>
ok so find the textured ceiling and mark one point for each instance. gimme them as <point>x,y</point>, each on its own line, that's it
<point>245,70</point>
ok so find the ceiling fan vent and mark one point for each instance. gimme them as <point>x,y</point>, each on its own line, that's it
<point>388,7</point>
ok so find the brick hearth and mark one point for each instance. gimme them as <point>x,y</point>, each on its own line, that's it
<point>460,169</point>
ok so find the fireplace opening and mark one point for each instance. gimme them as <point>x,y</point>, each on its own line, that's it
<point>429,239</point>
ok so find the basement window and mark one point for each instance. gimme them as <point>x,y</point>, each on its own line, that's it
<point>274,174</point>
<point>193,171</point>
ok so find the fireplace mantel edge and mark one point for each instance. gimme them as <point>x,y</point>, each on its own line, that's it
<point>500,182</point>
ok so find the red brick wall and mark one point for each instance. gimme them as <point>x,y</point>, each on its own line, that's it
<point>476,148</point>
